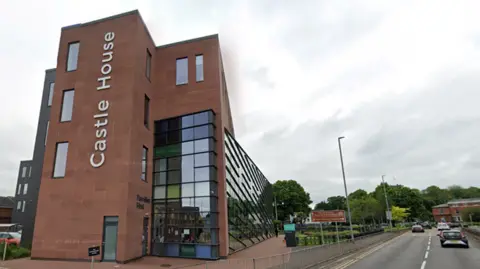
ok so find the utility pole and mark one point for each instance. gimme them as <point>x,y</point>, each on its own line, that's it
<point>386,201</point>
<point>345,186</point>
<point>276,213</point>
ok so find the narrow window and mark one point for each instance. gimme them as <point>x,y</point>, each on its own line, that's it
<point>146,111</point>
<point>24,171</point>
<point>60,164</point>
<point>50,93</point>
<point>25,188</point>
<point>67,105</point>
<point>19,190</point>
<point>182,71</point>
<point>19,205</point>
<point>29,171</point>
<point>199,67</point>
<point>46,132</point>
<point>72,57</point>
<point>23,206</point>
<point>148,68</point>
<point>144,163</point>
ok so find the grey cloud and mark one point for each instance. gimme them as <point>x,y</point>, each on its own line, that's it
<point>425,137</point>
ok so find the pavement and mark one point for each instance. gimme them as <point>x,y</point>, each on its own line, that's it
<point>272,249</point>
<point>414,251</point>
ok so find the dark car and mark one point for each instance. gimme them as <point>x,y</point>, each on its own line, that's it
<point>426,225</point>
<point>453,238</point>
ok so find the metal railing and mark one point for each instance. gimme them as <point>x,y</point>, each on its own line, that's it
<point>301,258</point>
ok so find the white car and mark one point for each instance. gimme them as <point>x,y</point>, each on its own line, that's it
<point>442,226</point>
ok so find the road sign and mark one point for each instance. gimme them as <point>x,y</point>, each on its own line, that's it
<point>93,251</point>
<point>328,216</point>
<point>389,215</point>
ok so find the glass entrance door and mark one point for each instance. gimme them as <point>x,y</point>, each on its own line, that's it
<point>110,230</point>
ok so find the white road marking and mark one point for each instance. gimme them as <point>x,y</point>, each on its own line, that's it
<point>363,255</point>
<point>426,255</point>
<point>423,265</point>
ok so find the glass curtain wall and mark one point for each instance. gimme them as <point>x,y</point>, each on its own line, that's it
<point>250,199</point>
<point>185,187</point>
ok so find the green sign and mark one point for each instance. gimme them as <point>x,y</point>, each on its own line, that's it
<point>289,227</point>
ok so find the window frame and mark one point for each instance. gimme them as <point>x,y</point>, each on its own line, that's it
<point>50,93</point>
<point>148,65</point>
<point>197,65</point>
<point>63,104</point>
<point>176,71</point>
<point>144,161</point>
<point>55,159</point>
<point>146,111</point>
<point>68,56</point>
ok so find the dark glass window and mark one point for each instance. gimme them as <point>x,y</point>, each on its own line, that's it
<point>144,164</point>
<point>250,198</point>
<point>185,184</point>
<point>187,121</point>
<point>146,111</point>
<point>148,64</point>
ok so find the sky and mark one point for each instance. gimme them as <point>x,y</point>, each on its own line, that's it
<point>398,79</point>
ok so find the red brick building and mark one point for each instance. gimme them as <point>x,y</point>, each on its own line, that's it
<point>451,211</point>
<point>6,208</point>
<point>140,151</point>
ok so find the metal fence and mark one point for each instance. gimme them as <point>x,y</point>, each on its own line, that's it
<point>301,258</point>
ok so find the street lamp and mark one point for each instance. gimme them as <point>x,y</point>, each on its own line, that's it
<point>386,201</point>
<point>345,186</point>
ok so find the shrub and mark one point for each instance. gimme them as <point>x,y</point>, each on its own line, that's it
<point>14,252</point>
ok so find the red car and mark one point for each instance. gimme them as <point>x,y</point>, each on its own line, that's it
<point>10,238</point>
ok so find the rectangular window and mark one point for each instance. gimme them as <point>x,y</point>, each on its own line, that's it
<point>60,164</point>
<point>67,105</point>
<point>182,71</point>
<point>19,190</point>
<point>19,205</point>
<point>72,57</point>
<point>46,132</point>
<point>146,111</point>
<point>199,67</point>
<point>144,163</point>
<point>25,188</point>
<point>24,171</point>
<point>23,206</point>
<point>148,68</point>
<point>29,171</point>
<point>50,93</point>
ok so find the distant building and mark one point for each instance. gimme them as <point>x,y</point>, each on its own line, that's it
<point>452,210</point>
<point>6,208</point>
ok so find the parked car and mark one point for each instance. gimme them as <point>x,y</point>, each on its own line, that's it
<point>453,238</point>
<point>417,229</point>
<point>11,238</point>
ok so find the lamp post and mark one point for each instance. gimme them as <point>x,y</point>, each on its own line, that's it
<point>345,186</point>
<point>386,201</point>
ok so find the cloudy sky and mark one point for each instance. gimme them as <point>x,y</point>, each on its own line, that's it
<point>400,80</point>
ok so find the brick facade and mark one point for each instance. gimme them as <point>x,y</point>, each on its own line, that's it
<point>71,209</point>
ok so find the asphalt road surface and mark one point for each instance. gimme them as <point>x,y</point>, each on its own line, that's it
<point>416,251</point>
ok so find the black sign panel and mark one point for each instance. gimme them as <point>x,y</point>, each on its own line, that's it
<point>93,251</point>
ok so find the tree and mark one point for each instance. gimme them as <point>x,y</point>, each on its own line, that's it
<point>364,209</point>
<point>474,212</point>
<point>291,198</point>
<point>399,213</point>
<point>358,194</point>
<point>337,202</point>
<point>322,206</point>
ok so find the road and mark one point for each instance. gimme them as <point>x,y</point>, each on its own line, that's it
<point>415,251</point>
